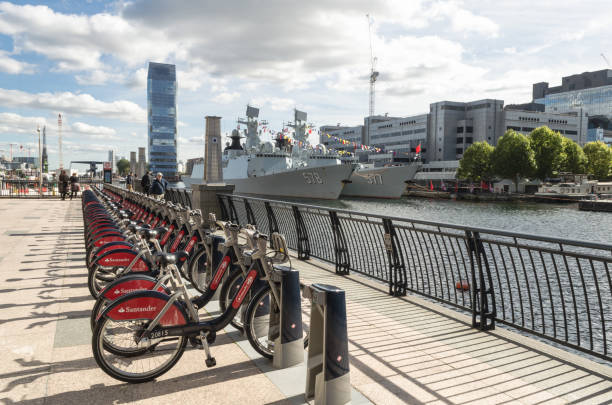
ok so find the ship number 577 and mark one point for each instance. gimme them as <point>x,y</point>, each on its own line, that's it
<point>312,178</point>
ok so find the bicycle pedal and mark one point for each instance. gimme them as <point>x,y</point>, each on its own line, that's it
<point>211,362</point>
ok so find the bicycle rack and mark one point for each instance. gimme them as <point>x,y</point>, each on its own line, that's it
<point>343,262</point>
<point>327,369</point>
<point>303,245</point>
<point>285,327</point>
<point>483,318</point>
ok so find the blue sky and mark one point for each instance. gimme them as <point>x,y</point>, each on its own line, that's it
<point>87,60</point>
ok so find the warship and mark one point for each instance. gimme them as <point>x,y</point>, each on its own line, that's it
<point>275,169</point>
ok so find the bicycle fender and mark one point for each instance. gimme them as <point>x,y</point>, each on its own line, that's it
<point>129,284</point>
<point>123,258</point>
<point>113,246</point>
<point>145,305</point>
<point>106,238</point>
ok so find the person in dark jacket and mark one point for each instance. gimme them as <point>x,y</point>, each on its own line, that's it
<point>158,187</point>
<point>63,184</point>
<point>74,185</point>
<point>145,182</point>
<point>129,181</point>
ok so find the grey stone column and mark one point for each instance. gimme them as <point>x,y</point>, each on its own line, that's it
<point>204,197</point>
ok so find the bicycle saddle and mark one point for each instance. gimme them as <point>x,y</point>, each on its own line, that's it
<point>164,259</point>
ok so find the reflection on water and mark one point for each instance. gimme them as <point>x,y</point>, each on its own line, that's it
<point>556,220</point>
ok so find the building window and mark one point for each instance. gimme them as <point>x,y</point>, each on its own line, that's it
<point>469,139</point>
<point>527,129</point>
<point>459,130</point>
<point>469,130</point>
<point>459,151</point>
<point>459,140</point>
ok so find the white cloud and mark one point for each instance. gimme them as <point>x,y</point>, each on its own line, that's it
<point>225,97</point>
<point>92,132</point>
<point>11,123</point>
<point>275,103</point>
<point>99,77</point>
<point>13,66</point>
<point>77,104</point>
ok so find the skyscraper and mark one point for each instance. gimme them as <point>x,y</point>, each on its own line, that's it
<point>45,156</point>
<point>161,102</point>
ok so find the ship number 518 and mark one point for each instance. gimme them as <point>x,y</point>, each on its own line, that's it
<point>312,178</point>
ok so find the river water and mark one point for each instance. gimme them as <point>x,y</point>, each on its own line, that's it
<point>556,220</point>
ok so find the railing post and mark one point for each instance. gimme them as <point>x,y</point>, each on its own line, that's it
<point>188,199</point>
<point>343,262</point>
<point>224,214</point>
<point>272,224</point>
<point>303,244</point>
<point>397,268</point>
<point>233,215</point>
<point>483,314</point>
<point>249,213</point>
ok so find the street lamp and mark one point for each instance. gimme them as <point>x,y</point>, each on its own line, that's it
<point>39,163</point>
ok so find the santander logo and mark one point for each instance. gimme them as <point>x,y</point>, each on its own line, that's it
<point>221,270</point>
<point>120,260</point>
<point>148,308</point>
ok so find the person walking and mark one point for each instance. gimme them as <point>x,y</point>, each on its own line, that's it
<point>158,187</point>
<point>74,185</point>
<point>129,181</point>
<point>63,184</point>
<point>145,182</point>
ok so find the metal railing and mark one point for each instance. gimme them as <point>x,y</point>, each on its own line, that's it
<point>557,289</point>
<point>30,188</point>
<point>178,196</point>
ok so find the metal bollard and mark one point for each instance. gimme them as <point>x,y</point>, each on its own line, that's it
<point>285,326</point>
<point>327,370</point>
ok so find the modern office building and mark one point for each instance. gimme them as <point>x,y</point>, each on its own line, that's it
<point>133,162</point>
<point>587,93</point>
<point>161,112</point>
<point>142,162</point>
<point>571,125</point>
<point>111,159</point>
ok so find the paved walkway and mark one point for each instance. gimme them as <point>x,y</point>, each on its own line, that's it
<point>403,350</point>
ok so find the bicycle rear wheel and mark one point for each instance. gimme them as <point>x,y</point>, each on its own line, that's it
<point>228,290</point>
<point>152,358</point>
<point>257,322</point>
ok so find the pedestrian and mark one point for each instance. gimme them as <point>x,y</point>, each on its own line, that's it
<point>74,185</point>
<point>63,184</point>
<point>146,182</point>
<point>129,181</point>
<point>158,187</point>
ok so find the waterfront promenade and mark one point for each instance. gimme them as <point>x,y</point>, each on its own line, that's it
<point>403,350</point>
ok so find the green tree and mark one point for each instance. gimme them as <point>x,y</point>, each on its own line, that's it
<point>575,160</point>
<point>123,166</point>
<point>547,146</point>
<point>476,164</point>
<point>513,157</point>
<point>599,159</point>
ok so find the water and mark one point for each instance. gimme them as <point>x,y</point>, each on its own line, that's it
<point>555,220</point>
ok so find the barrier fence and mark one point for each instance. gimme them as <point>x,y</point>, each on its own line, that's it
<point>30,188</point>
<point>557,289</point>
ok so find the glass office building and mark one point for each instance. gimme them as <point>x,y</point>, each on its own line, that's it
<point>161,111</point>
<point>594,101</point>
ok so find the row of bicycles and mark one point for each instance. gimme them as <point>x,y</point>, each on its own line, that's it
<point>154,265</point>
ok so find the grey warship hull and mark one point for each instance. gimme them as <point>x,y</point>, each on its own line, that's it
<point>380,182</point>
<point>319,183</point>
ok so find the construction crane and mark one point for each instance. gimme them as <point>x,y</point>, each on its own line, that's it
<point>373,73</point>
<point>606,59</point>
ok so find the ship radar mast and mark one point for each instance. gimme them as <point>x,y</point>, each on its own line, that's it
<point>252,123</point>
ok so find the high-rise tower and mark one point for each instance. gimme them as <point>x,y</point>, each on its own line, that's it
<point>161,112</point>
<point>45,157</point>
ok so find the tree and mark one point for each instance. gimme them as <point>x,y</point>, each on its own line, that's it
<point>575,160</point>
<point>123,166</point>
<point>547,146</point>
<point>599,159</point>
<point>513,157</point>
<point>476,162</point>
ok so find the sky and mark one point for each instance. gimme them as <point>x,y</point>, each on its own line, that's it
<point>88,61</point>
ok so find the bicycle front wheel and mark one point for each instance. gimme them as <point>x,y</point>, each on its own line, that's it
<point>154,357</point>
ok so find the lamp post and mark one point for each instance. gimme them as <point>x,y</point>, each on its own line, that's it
<point>40,171</point>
